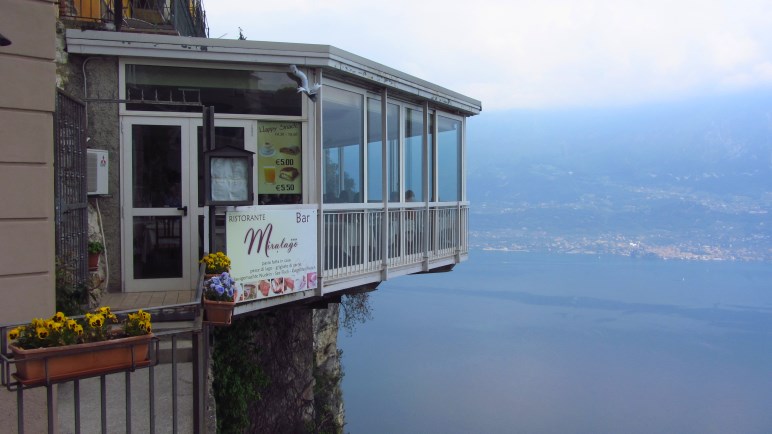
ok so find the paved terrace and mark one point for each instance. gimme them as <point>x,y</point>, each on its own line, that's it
<point>142,300</point>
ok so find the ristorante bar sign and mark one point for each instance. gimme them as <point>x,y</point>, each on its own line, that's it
<point>272,251</point>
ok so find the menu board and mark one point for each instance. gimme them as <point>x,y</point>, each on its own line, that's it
<point>279,158</point>
<point>273,251</point>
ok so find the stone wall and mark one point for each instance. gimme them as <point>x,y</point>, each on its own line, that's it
<point>285,344</point>
<point>103,132</point>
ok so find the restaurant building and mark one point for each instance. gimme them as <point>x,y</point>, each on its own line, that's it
<point>375,155</point>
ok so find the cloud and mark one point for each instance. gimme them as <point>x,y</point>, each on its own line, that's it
<point>518,53</point>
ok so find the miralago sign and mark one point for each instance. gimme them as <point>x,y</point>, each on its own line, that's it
<point>273,251</point>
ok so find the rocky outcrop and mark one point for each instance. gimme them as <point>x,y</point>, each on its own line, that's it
<point>284,341</point>
<point>329,413</point>
<point>297,352</point>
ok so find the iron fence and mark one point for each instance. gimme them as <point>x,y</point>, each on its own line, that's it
<point>70,191</point>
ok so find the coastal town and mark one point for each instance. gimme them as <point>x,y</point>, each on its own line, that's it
<point>649,246</point>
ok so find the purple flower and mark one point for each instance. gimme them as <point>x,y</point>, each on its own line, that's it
<point>220,290</point>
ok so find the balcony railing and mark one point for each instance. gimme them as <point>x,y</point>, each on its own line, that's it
<point>357,238</point>
<point>162,396</point>
<point>182,17</point>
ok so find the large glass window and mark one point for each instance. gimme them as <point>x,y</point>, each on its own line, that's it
<point>342,140</point>
<point>414,156</point>
<point>449,159</point>
<point>375,151</point>
<point>228,90</point>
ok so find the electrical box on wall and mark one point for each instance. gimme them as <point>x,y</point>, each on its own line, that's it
<point>97,168</point>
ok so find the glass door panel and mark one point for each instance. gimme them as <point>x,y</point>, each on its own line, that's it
<point>157,231</point>
<point>157,247</point>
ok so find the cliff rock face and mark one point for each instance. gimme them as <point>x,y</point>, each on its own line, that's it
<point>298,353</point>
<point>285,341</point>
<point>328,396</point>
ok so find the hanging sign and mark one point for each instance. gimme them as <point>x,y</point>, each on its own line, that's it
<point>279,155</point>
<point>272,251</point>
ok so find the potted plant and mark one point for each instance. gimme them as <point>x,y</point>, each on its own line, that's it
<point>216,263</point>
<point>62,348</point>
<point>219,295</point>
<point>95,248</point>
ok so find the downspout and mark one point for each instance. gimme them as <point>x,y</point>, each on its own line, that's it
<point>385,235</point>
<point>427,169</point>
<point>319,148</point>
<point>99,212</point>
<point>85,86</point>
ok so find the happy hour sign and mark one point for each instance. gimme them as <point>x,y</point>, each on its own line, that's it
<point>272,251</point>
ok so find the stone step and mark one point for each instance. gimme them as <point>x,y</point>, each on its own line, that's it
<point>184,341</point>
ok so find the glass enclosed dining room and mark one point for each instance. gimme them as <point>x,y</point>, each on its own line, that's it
<point>392,183</point>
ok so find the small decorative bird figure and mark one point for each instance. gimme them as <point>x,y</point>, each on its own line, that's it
<point>302,82</point>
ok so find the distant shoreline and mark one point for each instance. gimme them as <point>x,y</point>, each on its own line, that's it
<point>669,253</point>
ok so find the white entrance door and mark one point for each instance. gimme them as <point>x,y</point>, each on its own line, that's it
<point>163,215</point>
<point>156,194</point>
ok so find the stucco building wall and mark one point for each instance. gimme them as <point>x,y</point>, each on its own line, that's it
<point>27,94</point>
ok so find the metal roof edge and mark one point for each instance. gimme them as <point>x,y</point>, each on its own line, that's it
<point>94,42</point>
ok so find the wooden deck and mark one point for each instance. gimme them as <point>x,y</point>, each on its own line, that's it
<point>139,300</point>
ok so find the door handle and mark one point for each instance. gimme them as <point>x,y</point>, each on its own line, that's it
<point>184,210</point>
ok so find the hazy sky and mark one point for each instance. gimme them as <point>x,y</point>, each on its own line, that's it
<point>546,53</point>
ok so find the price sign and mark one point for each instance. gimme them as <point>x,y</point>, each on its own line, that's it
<point>279,151</point>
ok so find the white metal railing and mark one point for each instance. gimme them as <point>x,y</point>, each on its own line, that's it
<point>354,237</point>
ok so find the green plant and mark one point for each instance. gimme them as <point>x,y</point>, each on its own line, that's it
<point>355,309</point>
<point>70,296</point>
<point>237,377</point>
<point>96,326</point>
<point>95,247</point>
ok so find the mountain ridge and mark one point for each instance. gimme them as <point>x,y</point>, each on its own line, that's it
<point>687,177</point>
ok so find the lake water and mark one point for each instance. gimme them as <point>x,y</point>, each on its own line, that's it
<point>522,342</point>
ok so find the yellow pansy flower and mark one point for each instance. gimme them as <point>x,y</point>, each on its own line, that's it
<point>96,321</point>
<point>13,334</point>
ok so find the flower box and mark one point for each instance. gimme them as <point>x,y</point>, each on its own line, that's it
<point>55,364</point>
<point>218,313</point>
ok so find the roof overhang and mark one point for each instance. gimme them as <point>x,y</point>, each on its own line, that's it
<point>328,58</point>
